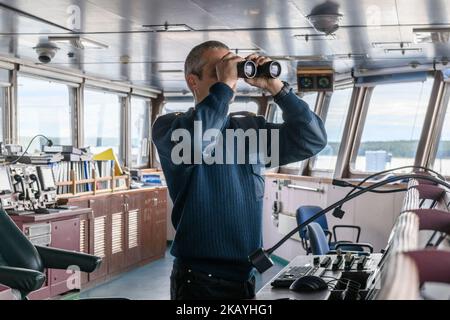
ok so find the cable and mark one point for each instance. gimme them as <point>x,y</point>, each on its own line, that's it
<point>260,257</point>
<point>339,212</point>
<point>49,143</point>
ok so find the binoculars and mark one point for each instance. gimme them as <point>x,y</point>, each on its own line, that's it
<point>248,69</point>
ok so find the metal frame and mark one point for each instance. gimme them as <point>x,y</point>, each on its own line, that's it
<point>353,129</point>
<point>148,102</point>
<point>442,109</point>
<point>428,126</point>
<point>78,81</point>
<point>323,115</point>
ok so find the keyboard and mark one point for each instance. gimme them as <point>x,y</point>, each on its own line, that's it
<point>293,273</point>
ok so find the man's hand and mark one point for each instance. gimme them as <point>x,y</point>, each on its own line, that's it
<point>227,69</point>
<point>274,86</point>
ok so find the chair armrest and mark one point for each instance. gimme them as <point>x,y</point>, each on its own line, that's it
<point>329,234</point>
<point>346,226</point>
<point>24,280</point>
<point>63,259</point>
<point>354,244</point>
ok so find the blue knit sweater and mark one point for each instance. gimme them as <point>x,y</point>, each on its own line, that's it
<point>217,209</point>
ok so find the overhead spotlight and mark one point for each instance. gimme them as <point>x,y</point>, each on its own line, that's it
<point>325,17</point>
<point>46,51</point>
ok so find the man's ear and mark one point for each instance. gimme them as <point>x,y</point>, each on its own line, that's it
<point>192,81</point>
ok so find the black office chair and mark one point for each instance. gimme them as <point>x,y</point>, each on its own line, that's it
<point>320,246</point>
<point>22,264</point>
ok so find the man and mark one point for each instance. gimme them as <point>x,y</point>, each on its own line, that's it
<point>217,210</point>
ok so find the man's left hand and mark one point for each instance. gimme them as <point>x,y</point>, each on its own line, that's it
<point>274,86</point>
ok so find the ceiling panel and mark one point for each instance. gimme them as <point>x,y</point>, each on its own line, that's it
<point>424,11</point>
<point>255,13</point>
<point>266,25</point>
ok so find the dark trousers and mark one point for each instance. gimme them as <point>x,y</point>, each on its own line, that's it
<point>186,284</point>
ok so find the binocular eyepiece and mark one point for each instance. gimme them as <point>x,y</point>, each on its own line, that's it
<point>248,69</point>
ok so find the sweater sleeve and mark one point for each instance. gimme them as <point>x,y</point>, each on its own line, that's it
<point>301,136</point>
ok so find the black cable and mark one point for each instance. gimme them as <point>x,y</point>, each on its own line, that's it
<point>352,196</point>
<point>356,187</point>
<point>49,143</point>
<point>392,170</point>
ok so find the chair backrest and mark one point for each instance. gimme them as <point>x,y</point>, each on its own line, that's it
<point>306,212</point>
<point>317,239</point>
<point>15,249</point>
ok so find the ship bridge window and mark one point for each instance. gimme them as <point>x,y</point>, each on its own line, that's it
<point>44,107</point>
<point>442,162</point>
<point>391,133</point>
<point>4,89</point>
<point>102,121</point>
<point>334,115</point>
<point>140,132</point>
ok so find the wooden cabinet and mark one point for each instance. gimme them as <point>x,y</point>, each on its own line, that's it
<point>117,216</point>
<point>99,234</point>
<point>154,221</point>
<point>65,235</point>
<point>125,229</point>
<point>133,213</point>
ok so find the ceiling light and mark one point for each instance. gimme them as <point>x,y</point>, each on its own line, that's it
<point>314,37</point>
<point>299,58</point>
<point>78,42</point>
<point>168,27</point>
<point>404,50</point>
<point>350,56</point>
<point>387,45</point>
<point>247,51</point>
<point>431,35</point>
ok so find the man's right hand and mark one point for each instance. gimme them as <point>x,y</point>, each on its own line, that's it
<point>227,69</point>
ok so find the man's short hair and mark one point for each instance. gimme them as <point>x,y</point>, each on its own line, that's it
<point>194,63</point>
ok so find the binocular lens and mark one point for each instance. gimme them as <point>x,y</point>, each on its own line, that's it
<point>275,69</point>
<point>248,69</point>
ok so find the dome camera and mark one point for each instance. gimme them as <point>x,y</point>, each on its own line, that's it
<point>46,51</point>
<point>326,23</point>
<point>325,17</point>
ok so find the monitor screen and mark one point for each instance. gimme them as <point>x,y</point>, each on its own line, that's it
<point>5,182</point>
<point>46,178</point>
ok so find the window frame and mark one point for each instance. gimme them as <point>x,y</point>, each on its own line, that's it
<point>361,123</point>
<point>124,106</point>
<point>323,114</point>
<point>73,92</point>
<point>442,107</point>
<point>148,102</point>
<point>5,123</point>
